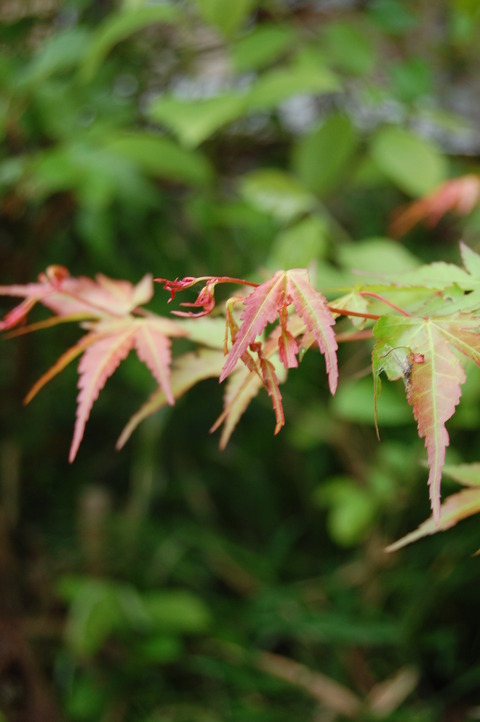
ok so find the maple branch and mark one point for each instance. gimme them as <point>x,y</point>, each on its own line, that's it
<point>383,300</point>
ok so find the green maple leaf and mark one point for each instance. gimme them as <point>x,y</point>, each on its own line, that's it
<point>427,353</point>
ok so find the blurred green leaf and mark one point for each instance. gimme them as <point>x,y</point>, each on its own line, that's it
<point>377,256</point>
<point>349,48</point>
<point>300,244</point>
<point>162,157</point>
<point>466,474</point>
<point>96,175</point>
<point>352,509</point>
<point>87,699</point>
<point>62,52</point>
<point>225,16</point>
<point>411,79</point>
<point>321,158</point>
<point>276,192</point>
<point>196,119</point>
<point>393,16</point>
<point>354,402</point>
<point>159,649</point>
<point>414,164</point>
<point>177,611</point>
<point>118,27</point>
<point>94,613</point>
<point>261,46</point>
<point>307,75</point>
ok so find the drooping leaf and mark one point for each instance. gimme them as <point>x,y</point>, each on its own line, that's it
<point>273,387</point>
<point>262,306</point>
<point>244,384</point>
<point>96,365</point>
<point>454,509</point>
<point>312,308</point>
<point>187,371</point>
<point>153,348</point>
<point>424,351</point>
<point>150,337</point>
<point>466,474</point>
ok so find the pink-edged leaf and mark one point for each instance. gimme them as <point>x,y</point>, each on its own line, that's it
<point>288,349</point>
<point>188,370</point>
<point>312,308</point>
<point>153,347</point>
<point>61,363</point>
<point>246,382</point>
<point>96,365</point>
<point>77,297</point>
<point>18,314</point>
<point>425,351</point>
<point>273,386</point>
<point>454,509</point>
<point>261,308</point>
<point>242,386</point>
<point>433,390</point>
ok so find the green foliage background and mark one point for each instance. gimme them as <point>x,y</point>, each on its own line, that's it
<point>173,582</point>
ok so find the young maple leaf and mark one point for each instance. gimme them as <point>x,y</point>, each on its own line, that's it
<point>271,300</point>
<point>425,352</point>
<point>187,370</point>
<point>112,334</point>
<point>104,347</point>
<point>76,298</point>
<point>457,507</point>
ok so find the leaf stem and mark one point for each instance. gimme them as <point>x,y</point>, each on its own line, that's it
<point>384,300</point>
<point>347,312</point>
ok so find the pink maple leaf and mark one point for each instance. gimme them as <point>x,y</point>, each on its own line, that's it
<point>271,300</point>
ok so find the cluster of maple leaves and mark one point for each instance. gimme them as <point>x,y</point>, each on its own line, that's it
<point>258,335</point>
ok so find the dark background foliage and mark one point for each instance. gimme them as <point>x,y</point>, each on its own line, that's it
<point>172,581</point>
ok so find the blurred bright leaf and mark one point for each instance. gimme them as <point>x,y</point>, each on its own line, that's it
<point>300,244</point>
<point>162,157</point>
<point>276,192</point>
<point>226,16</point>
<point>349,48</point>
<point>177,611</point>
<point>120,26</point>
<point>321,157</point>
<point>261,46</point>
<point>354,402</point>
<point>413,163</point>
<point>411,79</point>
<point>60,53</point>
<point>307,75</point>
<point>351,509</point>
<point>393,16</point>
<point>193,120</point>
<point>377,256</point>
